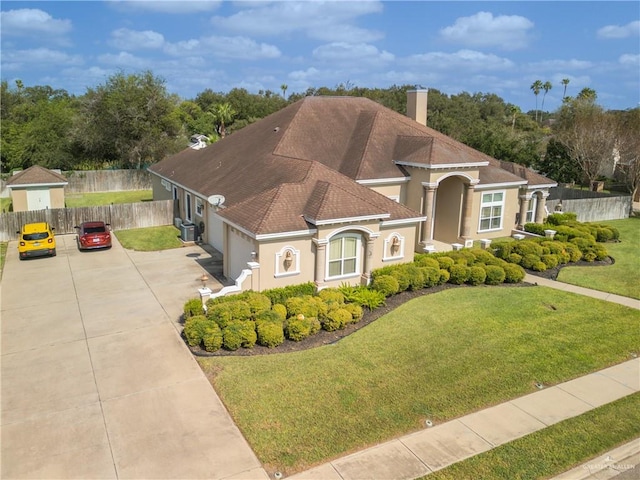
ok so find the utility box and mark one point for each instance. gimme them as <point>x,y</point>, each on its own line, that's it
<point>187,232</point>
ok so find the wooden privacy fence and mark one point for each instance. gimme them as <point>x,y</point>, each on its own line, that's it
<point>121,217</point>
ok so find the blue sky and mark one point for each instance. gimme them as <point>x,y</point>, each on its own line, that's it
<point>490,47</point>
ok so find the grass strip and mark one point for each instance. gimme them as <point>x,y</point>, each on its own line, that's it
<point>438,356</point>
<point>150,238</point>
<point>3,255</point>
<point>555,449</point>
<point>621,278</point>
<point>75,200</point>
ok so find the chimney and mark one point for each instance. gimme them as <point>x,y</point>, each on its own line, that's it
<point>417,105</point>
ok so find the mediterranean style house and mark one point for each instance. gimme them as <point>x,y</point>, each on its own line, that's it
<point>329,188</point>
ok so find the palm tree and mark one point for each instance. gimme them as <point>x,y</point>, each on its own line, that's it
<point>536,87</point>
<point>546,87</point>
<point>565,82</point>
<point>223,114</point>
<point>514,110</point>
<point>284,87</point>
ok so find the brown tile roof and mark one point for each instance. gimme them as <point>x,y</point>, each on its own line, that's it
<point>521,171</point>
<point>36,175</point>
<point>301,162</point>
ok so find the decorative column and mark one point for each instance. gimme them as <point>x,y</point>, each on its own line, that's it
<point>541,207</point>
<point>429,195</point>
<point>321,260</point>
<point>524,204</point>
<point>467,204</point>
<point>368,257</point>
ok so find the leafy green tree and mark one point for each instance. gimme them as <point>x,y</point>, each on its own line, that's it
<point>558,164</point>
<point>223,114</point>
<point>129,121</point>
<point>536,87</point>
<point>628,148</point>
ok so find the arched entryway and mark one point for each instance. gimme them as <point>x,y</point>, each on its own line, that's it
<point>448,209</point>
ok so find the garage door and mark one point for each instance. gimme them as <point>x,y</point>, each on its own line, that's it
<point>38,199</point>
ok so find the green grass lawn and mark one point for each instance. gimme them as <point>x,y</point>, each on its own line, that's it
<point>425,359</point>
<point>555,449</point>
<point>5,204</point>
<point>623,277</point>
<point>107,198</point>
<point>3,255</point>
<point>150,239</point>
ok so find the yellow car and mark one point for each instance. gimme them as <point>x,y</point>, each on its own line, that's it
<point>36,239</point>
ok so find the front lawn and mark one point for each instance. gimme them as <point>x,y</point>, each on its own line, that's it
<point>623,277</point>
<point>439,356</point>
<point>555,449</point>
<point>150,239</point>
<point>74,200</point>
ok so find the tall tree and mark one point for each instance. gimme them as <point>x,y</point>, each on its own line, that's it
<point>546,87</point>
<point>129,121</point>
<point>536,87</point>
<point>223,114</point>
<point>284,87</point>
<point>565,83</point>
<point>628,149</point>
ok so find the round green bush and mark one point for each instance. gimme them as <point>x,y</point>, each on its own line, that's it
<point>495,275</point>
<point>336,320</point>
<point>307,305</point>
<point>514,258</point>
<point>332,295</point>
<point>239,334</point>
<point>431,276</point>
<point>574,252</point>
<point>257,302</point>
<point>527,247</point>
<point>212,338</point>
<point>192,308</point>
<point>444,276</point>
<point>550,260</point>
<point>416,279</point>
<point>539,266</point>
<point>356,311</point>
<point>403,279</point>
<point>502,249</point>
<point>425,260</point>
<point>240,310</point>
<point>446,262</point>
<point>220,313</point>
<point>297,328</point>
<point>589,257</point>
<point>529,260</point>
<point>194,329</point>
<point>386,284</point>
<point>269,316</point>
<point>270,334</point>
<point>482,256</point>
<point>459,274</point>
<point>477,275</point>
<point>513,273</point>
<point>281,310</point>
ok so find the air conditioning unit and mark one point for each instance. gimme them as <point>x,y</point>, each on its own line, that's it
<point>188,232</point>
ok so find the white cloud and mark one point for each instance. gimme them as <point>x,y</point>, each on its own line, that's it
<point>630,60</point>
<point>39,57</point>
<point>360,53</point>
<point>125,39</point>
<point>304,75</point>
<point>462,60</point>
<point>238,48</point>
<point>330,20</point>
<point>631,29</point>
<point>571,64</point>
<point>509,32</point>
<point>126,60</point>
<point>167,6</point>
<point>31,22</point>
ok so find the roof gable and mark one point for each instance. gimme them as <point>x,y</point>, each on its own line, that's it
<point>36,175</point>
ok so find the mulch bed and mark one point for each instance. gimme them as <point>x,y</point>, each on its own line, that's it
<point>326,338</point>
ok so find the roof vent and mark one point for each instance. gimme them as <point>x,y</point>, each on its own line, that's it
<point>277,129</point>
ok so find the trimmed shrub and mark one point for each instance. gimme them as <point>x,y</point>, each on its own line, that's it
<point>306,305</point>
<point>514,258</point>
<point>240,310</point>
<point>270,334</point>
<point>356,311</point>
<point>513,273</point>
<point>257,302</point>
<point>212,338</point>
<point>414,273</point>
<point>561,218</point>
<point>192,308</point>
<point>364,296</point>
<point>426,260</point>
<point>269,316</point>
<point>431,276</point>
<point>535,228</point>
<point>495,275</point>
<point>550,260</point>
<point>528,261</point>
<point>527,247</point>
<point>477,275</point>
<point>444,276</point>
<point>386,284</point>
<point>331,295</point>
<point>403,279</point>
<point>446,262</point>
<point>481,256</point>
<point>220,313</point>
<point>280,295</point>
<point>281,310</point>
<point>601,252</point>
<point>539,266</point>
<point>574,252</point>
<point>297,328</point>
<point>589,257</point>
<point>194,329</point>
<point>459,274</point>
<point>502,249</point>
<point>336,320</point>
<point>239,334</point>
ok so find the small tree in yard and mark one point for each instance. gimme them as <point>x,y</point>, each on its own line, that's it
<point>628,149</point>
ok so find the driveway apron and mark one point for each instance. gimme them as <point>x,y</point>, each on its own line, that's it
<point>96,381</point>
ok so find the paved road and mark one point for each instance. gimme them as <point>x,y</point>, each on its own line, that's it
<point>96,382</point>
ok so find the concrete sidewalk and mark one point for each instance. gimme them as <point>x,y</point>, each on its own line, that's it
<point>436,447</point>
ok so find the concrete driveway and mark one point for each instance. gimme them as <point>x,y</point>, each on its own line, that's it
<point>96,381</point>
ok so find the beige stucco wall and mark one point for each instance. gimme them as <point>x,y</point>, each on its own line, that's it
<point>160,192</point>
<point>57,197</point>
<point>273,271</point>
<point>19,200</point>
<point>510,211</point>
<point>395,191</point>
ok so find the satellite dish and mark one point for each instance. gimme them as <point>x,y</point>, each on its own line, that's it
<point>216,200</point>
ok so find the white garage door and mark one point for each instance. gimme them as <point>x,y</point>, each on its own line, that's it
<point>38,199</point>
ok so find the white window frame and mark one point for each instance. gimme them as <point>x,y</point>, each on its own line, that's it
<point>175,192</point>
<point>491,205</point>
<point>199,207</point>
<point>187,207</point>
<point>358,260</point>
<point>532,205</point>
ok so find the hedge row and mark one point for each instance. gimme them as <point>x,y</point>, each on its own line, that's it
<point>567,229</point>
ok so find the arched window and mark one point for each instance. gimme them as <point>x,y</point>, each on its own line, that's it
<point>344,255</point>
